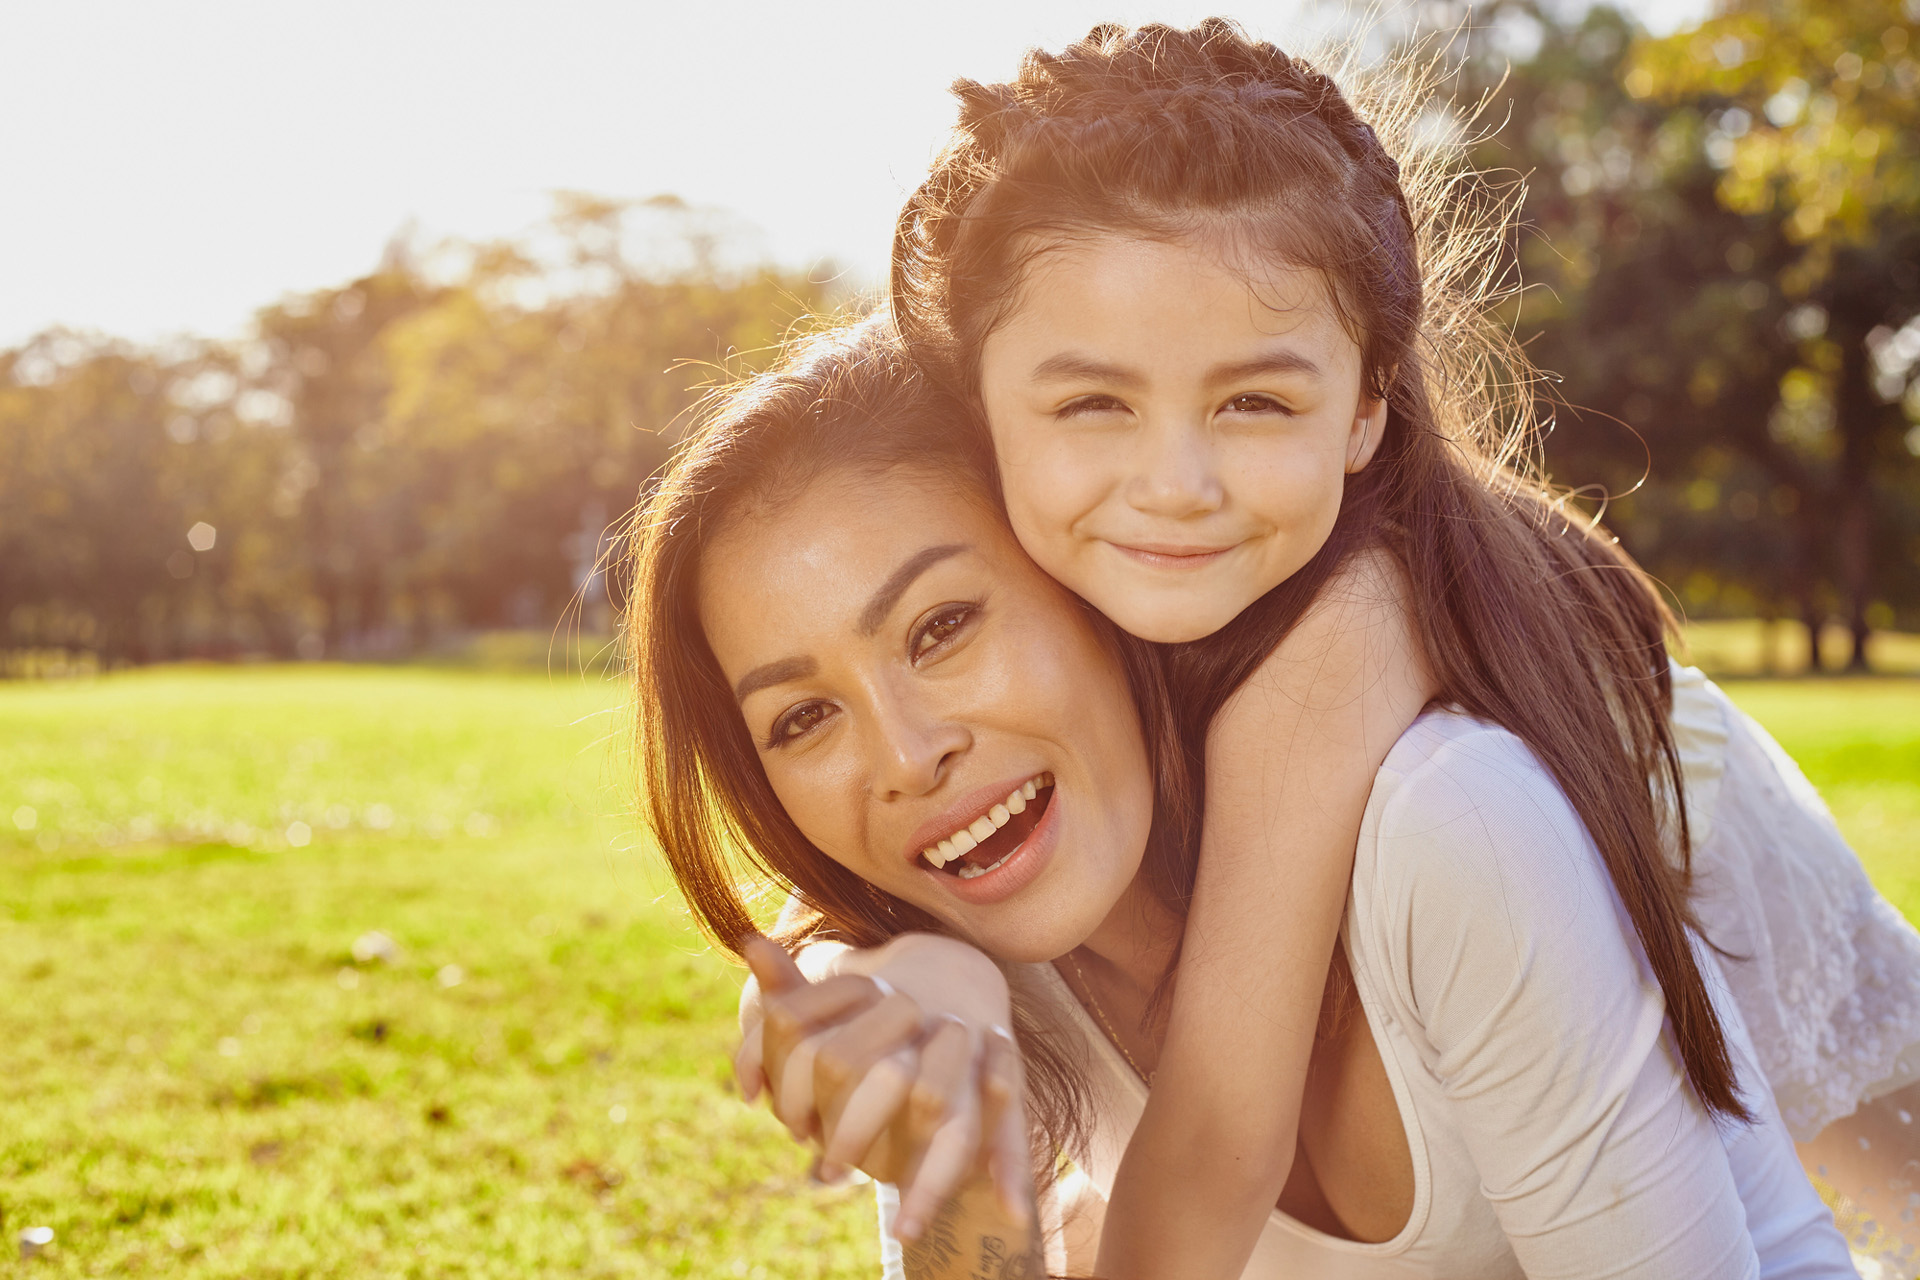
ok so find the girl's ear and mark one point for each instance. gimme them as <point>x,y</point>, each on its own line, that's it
<point>1369,428</point>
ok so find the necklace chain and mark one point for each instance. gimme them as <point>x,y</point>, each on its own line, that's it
<point>1105,1026</point>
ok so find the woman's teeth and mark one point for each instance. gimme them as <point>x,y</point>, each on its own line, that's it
<point>969,837</point>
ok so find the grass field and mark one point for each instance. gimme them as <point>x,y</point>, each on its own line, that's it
<point>200,1077</point>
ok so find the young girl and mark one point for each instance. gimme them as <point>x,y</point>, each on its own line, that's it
<point>1185,281</point>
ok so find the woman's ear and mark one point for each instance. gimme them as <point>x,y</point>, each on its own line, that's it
<point>1369,428</point>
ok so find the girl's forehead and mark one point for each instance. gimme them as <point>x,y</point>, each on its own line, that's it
<point>1164,300</point>
<point>1216,247</point>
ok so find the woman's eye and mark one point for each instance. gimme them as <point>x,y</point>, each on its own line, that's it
<point>940,627</point>
<point>798,722</point>
<point>1252,403</point>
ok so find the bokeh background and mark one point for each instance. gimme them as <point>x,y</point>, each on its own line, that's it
<point>335,343</point>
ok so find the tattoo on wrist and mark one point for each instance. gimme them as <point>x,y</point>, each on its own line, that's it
<point>943,1253</point>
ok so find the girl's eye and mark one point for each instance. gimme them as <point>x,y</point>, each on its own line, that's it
<point>1087,405</point>
<point>1253,403</point>
<point>940,628</point>
<point>798,722</point>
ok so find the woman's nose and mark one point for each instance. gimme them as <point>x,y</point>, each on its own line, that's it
<point>916,749</point>
<point>1174,473</point>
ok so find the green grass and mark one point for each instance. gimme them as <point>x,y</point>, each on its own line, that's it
<point>1858,741</point>
<point>198,1078</point>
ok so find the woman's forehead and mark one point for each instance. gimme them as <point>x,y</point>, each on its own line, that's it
<point>834,551</point>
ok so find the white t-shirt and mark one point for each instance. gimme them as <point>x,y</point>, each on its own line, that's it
<point>1549,1119</point>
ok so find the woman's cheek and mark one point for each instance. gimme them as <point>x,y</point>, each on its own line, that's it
<point>816,807</point>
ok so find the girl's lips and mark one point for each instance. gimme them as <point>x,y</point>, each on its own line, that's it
<point>1021,866</point>
<point>1165,556</point>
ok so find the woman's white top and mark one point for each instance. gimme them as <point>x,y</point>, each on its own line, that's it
<point>1547,1113</point>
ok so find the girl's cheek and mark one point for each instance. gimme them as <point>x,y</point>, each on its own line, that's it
<point>1055,489</point>
<point>1292,491</point>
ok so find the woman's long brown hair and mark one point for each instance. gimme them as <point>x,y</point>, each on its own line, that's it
<point>1530,615</point>
<point>844,402</point>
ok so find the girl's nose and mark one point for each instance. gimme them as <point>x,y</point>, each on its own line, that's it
<point>1173,473</point>
<point>916,749</point>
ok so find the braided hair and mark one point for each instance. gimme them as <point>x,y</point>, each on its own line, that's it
<point>1530,615</point>
<point>1158,131</point>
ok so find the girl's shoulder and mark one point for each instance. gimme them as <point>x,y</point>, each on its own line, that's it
<point>1351,665</point>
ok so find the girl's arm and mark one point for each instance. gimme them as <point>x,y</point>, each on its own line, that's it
<point>1290,762</point>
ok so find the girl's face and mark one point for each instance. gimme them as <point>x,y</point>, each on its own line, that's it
<point>1173,438</point>
<point>921,693</point>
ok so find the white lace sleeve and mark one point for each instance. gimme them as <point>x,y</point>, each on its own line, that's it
<point>1825,971</point>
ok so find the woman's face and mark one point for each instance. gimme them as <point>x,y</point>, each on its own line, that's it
<point>919,693</point>
<point>1173,433</point>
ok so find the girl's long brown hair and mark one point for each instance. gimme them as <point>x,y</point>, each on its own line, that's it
<point>848,401</point>
<point>1531,617</point>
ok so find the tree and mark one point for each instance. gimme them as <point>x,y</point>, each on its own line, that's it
<point>1693,323</point>
<point>377,464</point>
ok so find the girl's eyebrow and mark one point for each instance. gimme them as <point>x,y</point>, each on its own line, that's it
<point>1072,367</point>
<point>1281,360</point>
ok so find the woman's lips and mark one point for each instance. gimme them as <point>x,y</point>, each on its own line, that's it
<point>1020,867</point>
<point>1156,555</point>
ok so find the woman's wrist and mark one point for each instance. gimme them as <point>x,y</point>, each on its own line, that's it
<point>973,1237</point>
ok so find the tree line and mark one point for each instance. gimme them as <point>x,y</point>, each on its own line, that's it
<point>379,466</point>
<point>1719,254</point>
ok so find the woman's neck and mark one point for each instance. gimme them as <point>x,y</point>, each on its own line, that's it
<point>1137,940</point>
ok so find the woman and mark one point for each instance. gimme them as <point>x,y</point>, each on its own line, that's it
<point>844,656</point>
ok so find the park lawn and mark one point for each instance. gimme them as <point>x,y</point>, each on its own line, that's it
<point>199,1078</point>
<point>1858,740</point>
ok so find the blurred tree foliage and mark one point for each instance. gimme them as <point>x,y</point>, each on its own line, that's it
<point>1721,243</point>
<point>417,453</point>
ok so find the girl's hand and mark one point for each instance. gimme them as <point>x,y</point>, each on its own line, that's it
<point>923,1102</point>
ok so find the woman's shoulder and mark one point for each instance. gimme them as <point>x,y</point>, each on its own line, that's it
<point>1449,761</point>
<point>1461,809</point>
<point>1476,887</point>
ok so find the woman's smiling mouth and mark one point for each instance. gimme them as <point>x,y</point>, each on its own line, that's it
<point>990,839</point>
<point>996,852</point>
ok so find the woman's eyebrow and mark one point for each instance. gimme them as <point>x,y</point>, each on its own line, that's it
<point>900,579</point>
<point>772,673</point>
<point>878,607</point>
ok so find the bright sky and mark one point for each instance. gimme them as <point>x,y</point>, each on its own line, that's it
<point>170,165</point>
